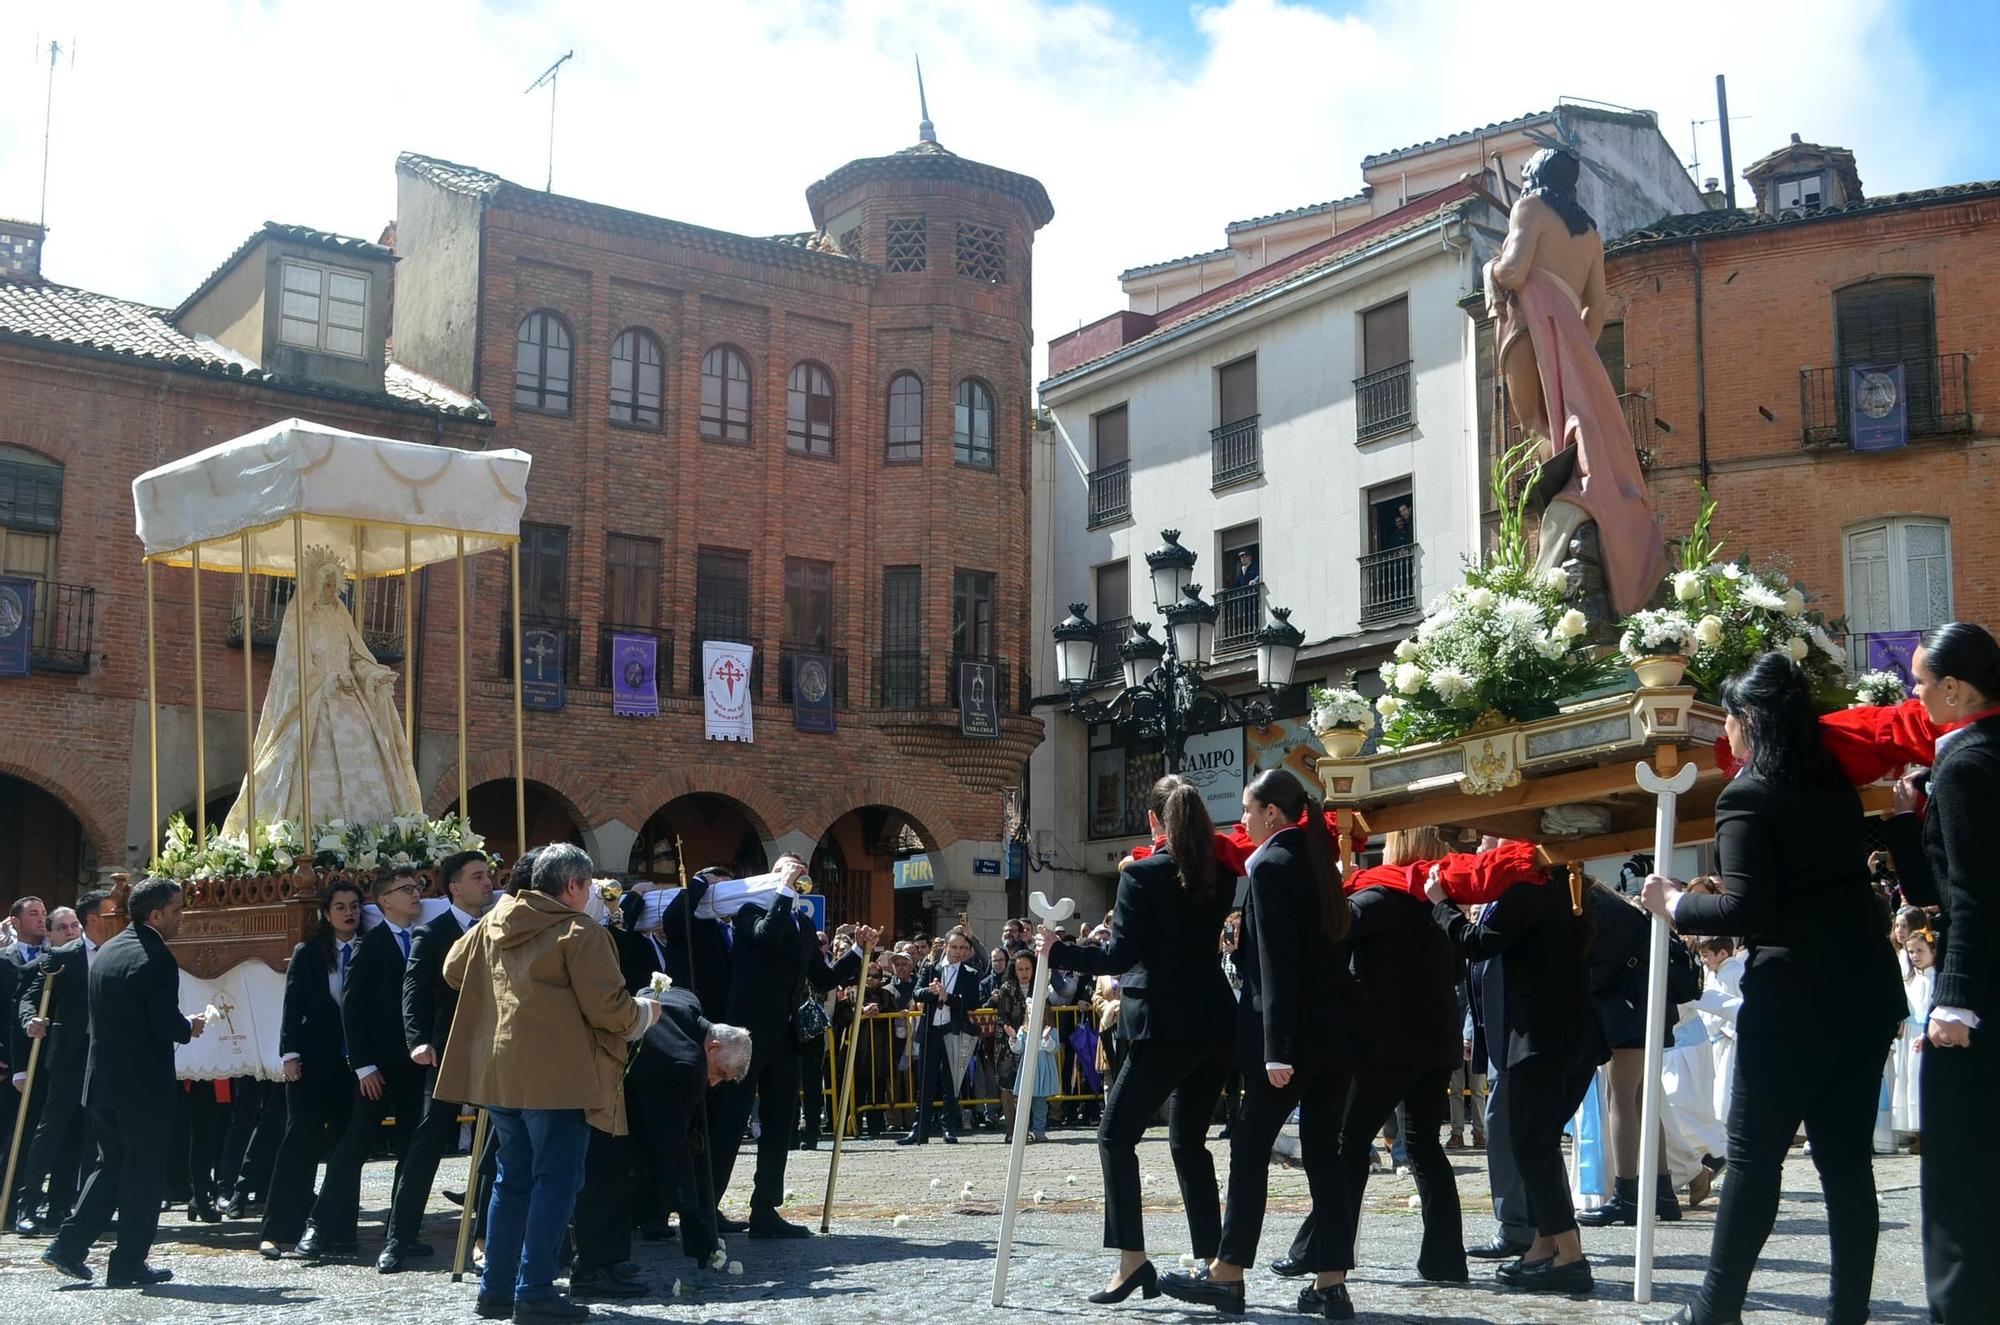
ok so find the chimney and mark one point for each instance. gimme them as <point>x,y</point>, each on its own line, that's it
<point>21,250</point>
<point>1712,195</point>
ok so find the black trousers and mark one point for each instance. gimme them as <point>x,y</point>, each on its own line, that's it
<point>1378,1089</point>
<point>316,1109</point>
<point>812,1086</point>
<point>1187,1078</point>
<point>55,1157</point>
<point>337,1212</point>
<point>1831,1084</point>
<point>130,1177</point>
<point>252,1171</point>
<point>669,1142</point>
<point>603,1215</point>
<point>773,1083</point>
<point>936,1081</point>
<point>1961,1172</point>
<point>1543,1093</point>
<point>434,1138</point>
<point>1320,1095</point>
<point>19,1200</point>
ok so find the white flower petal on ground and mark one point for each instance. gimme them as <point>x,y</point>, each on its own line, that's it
<point>717,1259</point>
<point>900,1220</point>
<point>1070,1180</point>
<point>677,1288</point>
<point>936,1183</point>
<point>1188,1262</point>
<point>966,1190</point>
<point>1039,1193</point>
<point>736,1268</point>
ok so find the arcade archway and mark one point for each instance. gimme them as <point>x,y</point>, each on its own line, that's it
<point>43,849</point>
<point>551,818</point>
<point>855,866</point>
<point>714,830</point>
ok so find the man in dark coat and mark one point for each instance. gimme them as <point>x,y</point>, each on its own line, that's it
<point>56,1154</point>
<point>128,1084</point>
<point>682,1056</point>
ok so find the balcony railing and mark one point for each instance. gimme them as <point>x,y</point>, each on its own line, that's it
<point>1110,494</point>
<point>1938,391</point>
<point>1887,649</point>
<point>663,663</point>
<point>1382,402</point>
<point>1000,681</point>
<point>1388,584</point>
<point>381,614</point>
<point>788,664</point>
<point>1110,634</point>
<point>575,675</point>
<point>901,677</point>
<point>65,619</point>
<point>696,639</point>
<point>1239,614</point>
<point>1237,452</point>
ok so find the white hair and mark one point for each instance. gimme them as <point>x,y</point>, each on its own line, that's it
<point>732,1053</point>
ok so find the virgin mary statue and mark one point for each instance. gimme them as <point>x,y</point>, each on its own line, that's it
<point>360,763</point>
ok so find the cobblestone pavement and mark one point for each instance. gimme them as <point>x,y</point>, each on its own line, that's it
<point>940,1260</point>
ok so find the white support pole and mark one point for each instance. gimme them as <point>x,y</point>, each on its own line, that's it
<point>1051,914</point>
<point>1666,791</point>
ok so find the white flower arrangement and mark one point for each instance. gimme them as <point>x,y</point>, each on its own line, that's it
<point>1880,688</point>
<point>336,844</point>
<point>1340,706</point>
<point>1658,632</point>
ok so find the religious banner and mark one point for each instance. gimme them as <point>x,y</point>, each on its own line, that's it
<point>242,1039</point>
<point>635,676</point>
<point>543,668</point>
<point>812,692</point>
<point>17,625</point>
<point>725,689</point>
<point>1891,651</point>
<point>1878,408</point>
<point>1213,762</point>
<point>978,700</point>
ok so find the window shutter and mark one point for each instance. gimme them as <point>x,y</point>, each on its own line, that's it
<point>1868,609</point>
<point>1239,391</point>
<point>1385,337</point>
<point>1110,437</point>
<point>1890,322</point>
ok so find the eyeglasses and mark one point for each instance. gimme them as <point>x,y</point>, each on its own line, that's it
<point>399,888</point>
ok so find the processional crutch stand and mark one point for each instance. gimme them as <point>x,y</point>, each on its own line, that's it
<point>28,1086</point>
<point>1051,915</point>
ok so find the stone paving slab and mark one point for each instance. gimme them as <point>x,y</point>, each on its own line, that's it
<point>939,1260</point>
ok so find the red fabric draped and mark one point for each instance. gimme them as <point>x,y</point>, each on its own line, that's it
<point>1468,879</point>
<point>1870,743</point>
<point>1233,848</point>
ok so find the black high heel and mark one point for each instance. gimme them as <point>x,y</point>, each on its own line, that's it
<point>1145,1278</point>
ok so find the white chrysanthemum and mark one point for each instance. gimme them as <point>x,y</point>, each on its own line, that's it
<point>1520,616</point>
<point>1731,571</point>
<point>1429,627</point>
<point>1409,678</point>
<point>1572,624</point>
<point>1479,599</point>
<point>1450,681</point>
<point>1798,648</point>
<point>1708,631</point>
<point>1406,650</point>
<point>1759,594</point>
<point>1687,585</point>
<point>1388,706</point>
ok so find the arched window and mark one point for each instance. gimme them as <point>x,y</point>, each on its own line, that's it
<point>905,441</point>
<point>725,395</point>
<point>637,379</point>
<point>809,410</point>
<point>972,424</point>
<point>542,363</point>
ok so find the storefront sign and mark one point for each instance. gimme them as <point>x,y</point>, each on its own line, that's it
<point>1213,762</point>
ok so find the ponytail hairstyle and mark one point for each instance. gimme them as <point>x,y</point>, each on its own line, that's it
<point>1177,804</point>
<point>1407,846</point>
<point>1276,787</point>
<point>1965,652</point>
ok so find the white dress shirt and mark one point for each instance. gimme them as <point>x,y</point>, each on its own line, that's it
<point>948,977</point>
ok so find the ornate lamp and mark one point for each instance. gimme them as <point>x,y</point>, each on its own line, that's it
<point>1172,567</point>
<point>1191,621</point>
<point>1278,649</point>
<point>1076,648</point>
<point>1141,653</point>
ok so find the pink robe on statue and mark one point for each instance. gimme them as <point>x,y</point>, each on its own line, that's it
<point>1585,413</point>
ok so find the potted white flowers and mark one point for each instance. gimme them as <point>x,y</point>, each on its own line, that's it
<point>1656,643</point>
<point>1879,689</point>
<point>1342,718</point>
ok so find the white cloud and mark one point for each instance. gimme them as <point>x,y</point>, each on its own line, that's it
<point>179,128</point>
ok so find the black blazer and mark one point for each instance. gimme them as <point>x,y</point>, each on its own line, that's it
<point>1163,948</point>
<point>960,998</point>
<point>775,959</point>
<point>372,1014</point>
<point>1796,889</point>
<point>1619,962</point>
<point>428,1002</point>
<point>707,970</point>
<point>1407,976</point>
<point>638,961</point>
<point>1544,972</point>
<point>67,1048</point>
<point>670,1083</point>
<point>1948,860</point>
<point>311,1025</point>
<point>13,974</point>
<point>1299,1004</point>
<point>135,1022</point>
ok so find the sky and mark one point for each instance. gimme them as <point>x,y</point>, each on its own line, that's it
<point>179,128</point>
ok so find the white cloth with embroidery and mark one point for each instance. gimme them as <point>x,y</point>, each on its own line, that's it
<point>243,1039</point>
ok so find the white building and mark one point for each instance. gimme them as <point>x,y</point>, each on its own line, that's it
<point>1312,409</point>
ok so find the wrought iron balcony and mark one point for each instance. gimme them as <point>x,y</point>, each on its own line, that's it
<point>1110,634</point>
<point>381,614</point>
<point>1388,584</point>
<point>1240,613</point>
<point>1237,452</point>
<point>1382,402</point>
<point>1937,390</point>
<point>1110,494</point>
<point>901,679</point>
<point>65,621</point>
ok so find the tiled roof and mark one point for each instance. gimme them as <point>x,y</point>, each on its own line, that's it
<point>1453,140</point>
<point>929,161</point>
<point>1149,268</point>
<point>297,234</point>
<point>499,192</point>
<point>1295,213</point>
<point>1695,225</point>
<point>63,317</point>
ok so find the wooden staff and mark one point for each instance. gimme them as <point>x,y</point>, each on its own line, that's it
<point>844,1098</point>
<point>1051,914</point>
<point>704,1175</point>
<point>28,1086</point>
<point>471,1198</point>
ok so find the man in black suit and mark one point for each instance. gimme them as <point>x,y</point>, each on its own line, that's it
<point>128,1083</point>
<point>55,1156</point>
<point>385,1081</point>
<point>29,921</point>
<point>696,950</point>
<point>947,991</point>
<point>428,1005</point>
<point>774,960</point>
<point>681,1057</point>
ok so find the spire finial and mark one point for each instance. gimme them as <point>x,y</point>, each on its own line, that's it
<point>926,131</point>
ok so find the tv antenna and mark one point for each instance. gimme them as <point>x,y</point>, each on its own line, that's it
<point>549,77</point>
<point>56,49</point>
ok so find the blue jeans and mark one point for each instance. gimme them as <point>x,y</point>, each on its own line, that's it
<point>1038,1114</point>
<point>540,1167</point>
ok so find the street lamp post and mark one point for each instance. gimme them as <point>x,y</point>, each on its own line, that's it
<point>1165,694</point>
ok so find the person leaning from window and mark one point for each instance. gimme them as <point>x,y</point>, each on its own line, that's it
<point>1946,857</point>
<point>1177,1014</point>
<point>1821,999</point>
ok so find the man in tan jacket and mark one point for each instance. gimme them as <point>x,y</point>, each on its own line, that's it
<point>540,1039</point>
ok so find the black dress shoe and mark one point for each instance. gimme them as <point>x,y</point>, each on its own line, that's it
<point>1287,1268</point>
<point>767,1224</point>
<point>29,1227</point>
<point>912,1139</point>
<point>951,1138</point>
<point>1510,1274</point>
<point>1572,1280</point>
<point>1329,1303</point>
<point>809,1143</point>
<point>416,1251</point>
<point>201,1212</point>
<point>624,1271</point>
<point>1199,1288</point>
<point>1499,1249</point>
<point>454,1198</point>
<point>494,1308</point>
<point>391,1259</point>
<point>1145,1279</point>
<point>73,1269</point>
<point>143,1277</point>
<point>601,1284</point>
<point>231,1206</point>
<point>1450,1274</point>
<point>724,1224</point>
<point>556,1308</point>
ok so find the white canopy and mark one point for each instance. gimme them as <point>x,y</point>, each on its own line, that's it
<point>358,495</point>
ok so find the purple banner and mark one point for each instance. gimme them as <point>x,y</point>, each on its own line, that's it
<point>17,625</point>
<point>1890,651</point>
<point>635,676</point>
<point>1878,407</point>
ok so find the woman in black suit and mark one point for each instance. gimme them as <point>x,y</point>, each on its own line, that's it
<point>1554,1044</point>
<point>318,1082</point>
<point>1176,1012</point>
<point>1296,1031</point>
<point>1949,859</point>
<point>1821,997</point>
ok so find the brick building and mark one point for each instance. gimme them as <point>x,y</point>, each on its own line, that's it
<point>812,443</point>
<point>95,390</point>
<point>1745,326</point>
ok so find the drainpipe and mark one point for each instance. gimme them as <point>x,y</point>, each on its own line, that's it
<point>1700,370</point>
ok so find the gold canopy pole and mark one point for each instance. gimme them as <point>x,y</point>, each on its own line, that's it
<point>356,604</point>
<point>520,775</point>
<point>409,651</point>
<point>200,732</point>
<point>464,792</point>
<point>152,712</point>
<point>249,701</point>
<point>301,593</point>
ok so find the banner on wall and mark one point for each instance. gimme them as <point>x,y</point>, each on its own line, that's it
<point>1213,762</point>
<point>543,668</point>
<point>1878,407</point>
<point>812,692</point>
<point>1107,792</point>
<point>17,625</point>
<point>635,676</point>
<point>1891,651</point>
<point>725,671</point>
<point>1288,743</point>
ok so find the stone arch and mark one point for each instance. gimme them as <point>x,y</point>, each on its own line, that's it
<point>85,794</point>
<point>927,815</point>
<point>557,776</point>
<point>762,809</point>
